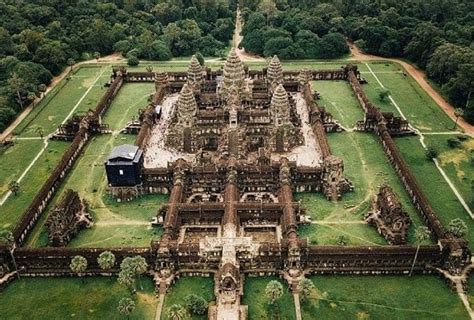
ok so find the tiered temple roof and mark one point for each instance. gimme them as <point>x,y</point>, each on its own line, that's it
<point>280,106</point>
<point>275,71</point>
<point>186,106</point>
<point>195,72</point>
<point>234,73</point>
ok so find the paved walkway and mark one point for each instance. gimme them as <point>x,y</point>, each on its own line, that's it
<point>159,307</point>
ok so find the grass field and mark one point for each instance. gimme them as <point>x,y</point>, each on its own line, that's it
<point>116,224</point>
<point>366,165</point>
<point>14,161</point>
<point>343,106</point>
<point>258,306</point>
<point>66,298</point>
<point>440,196</point>
<point>382,297</point>
<point>184,286</point>
<point>72,94</point>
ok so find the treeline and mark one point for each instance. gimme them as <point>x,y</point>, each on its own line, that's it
<point>291,33</point>
<point>38,39</point>
<point>437,35</point>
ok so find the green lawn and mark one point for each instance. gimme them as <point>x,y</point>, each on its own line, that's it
<point>343,105</point>
<point>434,186</point>
<point>421,111</point>
<point>367,166</point>
<point>15,206</point>
<point>382,297</point>
<point>66,298</point>
<point>116,224</point>
<point>51,112</point>
<point>458,163</point>
<point>258,306</point>
<point>184,286</point>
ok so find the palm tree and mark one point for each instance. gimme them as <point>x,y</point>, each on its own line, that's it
<point>78,265</point>
<point>134,267</point>
<point>14,187</point>
<point>273,291</point>
<point>126,277</point>
<point>458,112</point>
<point>126,306</point>
<point>306,287</point>
<point>457,227</point>
<point>176,312</point>
<point>7,238</point>
<point>422,233</point>
<point>106,260</point>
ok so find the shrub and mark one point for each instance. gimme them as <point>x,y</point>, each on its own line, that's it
<point>133,61</point>
<point>195,304</point>
<point>431,153</point>
<point>454,143</point>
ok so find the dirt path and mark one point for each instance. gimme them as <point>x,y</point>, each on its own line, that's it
<point>420,78</point>
<point>237,38</point>
<point>54,82</point>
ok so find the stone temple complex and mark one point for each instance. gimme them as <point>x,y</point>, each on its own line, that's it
<point>230,147</point>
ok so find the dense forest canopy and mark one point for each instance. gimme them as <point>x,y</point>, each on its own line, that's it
<point>437,35</point>
<point>39,38</point>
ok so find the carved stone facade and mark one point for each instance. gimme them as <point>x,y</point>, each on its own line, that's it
<point>67,219</point>
<point>388,216</point>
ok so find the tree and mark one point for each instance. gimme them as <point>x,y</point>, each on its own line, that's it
<point>422,233</point>
<point>6,238</point>
<point>273,291</point>
<point>431,153</point>
<point>17,85</point>
<point>176,312</point>
<point>133,61</point>
<point>126,277</point>
<point>268,7</point>
<point>306,288</point>
<point>40,131</point>
<point>200,58</point>
<point>71,62</point>
<point>458,112</point>
<point>383,93</point>
<point>454,143</point>
<point>342,240</point>
<point>126,306</point>
<point>161,51</point>
<point>131,269</point>
<point>457,227</point>
<point>333,45</point>
<point>42,88</point>
<point>78,265</point>
<point>195,304</point>
<point>14,187</point>
<point>106,260</point>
